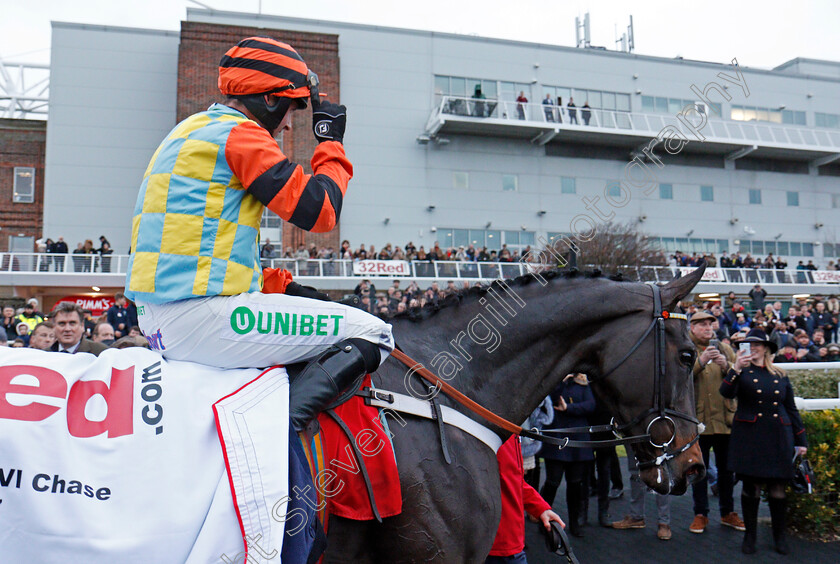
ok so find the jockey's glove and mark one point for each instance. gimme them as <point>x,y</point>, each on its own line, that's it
<point>328,121</point>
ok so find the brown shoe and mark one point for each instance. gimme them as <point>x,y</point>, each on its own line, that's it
<point>732,520</point>
<point>629,523</point>
<point>664,532</point>
<point>699,524</point>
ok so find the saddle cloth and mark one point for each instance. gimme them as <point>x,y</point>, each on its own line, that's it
<point>373,442</point>
<point>119,459</point>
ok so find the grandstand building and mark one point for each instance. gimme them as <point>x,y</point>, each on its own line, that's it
<point>703,157</point>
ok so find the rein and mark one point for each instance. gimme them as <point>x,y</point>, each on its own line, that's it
<point>662,413</point>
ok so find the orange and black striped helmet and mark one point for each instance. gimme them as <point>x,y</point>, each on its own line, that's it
<point>261,65</point>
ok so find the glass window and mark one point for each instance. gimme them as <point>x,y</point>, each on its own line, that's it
<point>24,185</point>
<point>782,248</point>
<point>511,237</point>
<point>595,99</point>
<point>807,249</point>
<point>622,102</point>
<point>707,193</point>
<point>666,192</point>
<point>442,85</point>
<point>488,87</point>
<point>682,244</point>
<point>527,238</point>
<point>737,113</point>
<point>716,109</point>
<point>458,86</point>
<point>270,220</point>
<point>494,239</point>
<point>614,189</point>
<point>661,104</point>
<point>567,185</point>
<point>446,239</point>
<point>460,237</point>
<point>648,104</point>
<point>770,247</point>
<point>723,246</point>
<point>471,84</point>
<point>608,101</point>
<point>792,198</point>
<point>510,183</point>
<point>758,247</point>
<point>460,180</point>
<point>675,106</point>
<point>796,249</point>
<point>755,196</point>
<point>744,247</point>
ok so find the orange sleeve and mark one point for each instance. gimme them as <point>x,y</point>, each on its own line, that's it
<point>311,202</point>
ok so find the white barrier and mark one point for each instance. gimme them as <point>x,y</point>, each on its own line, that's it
<point>814,404</point>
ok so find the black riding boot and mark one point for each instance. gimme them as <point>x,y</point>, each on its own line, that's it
<point>324,378</point>
<point>574,502</point>
<point>778,514</point>
<point>749,507</point>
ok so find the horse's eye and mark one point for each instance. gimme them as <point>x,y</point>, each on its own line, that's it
<point>687,358</point>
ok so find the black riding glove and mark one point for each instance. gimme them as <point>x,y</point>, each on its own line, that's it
<point>328,121</point>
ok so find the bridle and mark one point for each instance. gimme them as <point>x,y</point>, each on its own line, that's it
<point>657,326</point>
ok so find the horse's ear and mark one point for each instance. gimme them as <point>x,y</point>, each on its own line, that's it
<point>677,289</point>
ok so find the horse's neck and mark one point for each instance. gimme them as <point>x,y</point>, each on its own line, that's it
<point>510,348</point>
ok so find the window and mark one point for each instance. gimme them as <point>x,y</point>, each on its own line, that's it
<point>830,250</point>
<point>666,192</point>
<point>707,193</point>
<point>270,220</point>
<point>24,188</point>
<point>755,196</point>
<point>792,198</point>
<point>673,105</point>
<point>567,185</point>
<point>510,183</point>
<point>614,189</point>
<point>777,115</point>
<point>835,201</point>
<point>460,180</point>
<point>807,249</point>
<point>827,120</point>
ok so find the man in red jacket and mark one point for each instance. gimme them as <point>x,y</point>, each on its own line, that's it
<point>509,545</point>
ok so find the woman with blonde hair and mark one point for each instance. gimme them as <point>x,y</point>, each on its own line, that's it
<point>766,434</point>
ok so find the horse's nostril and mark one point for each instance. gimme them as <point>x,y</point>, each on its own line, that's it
<point>695,472</point>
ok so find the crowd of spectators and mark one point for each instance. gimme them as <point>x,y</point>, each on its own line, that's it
<point>735,260</point>
<point>86,257</point>
<point>806,332</point>
<point>28,327</point>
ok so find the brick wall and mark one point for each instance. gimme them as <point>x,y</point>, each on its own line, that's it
<point>203,45</point>
<point>22,143</point>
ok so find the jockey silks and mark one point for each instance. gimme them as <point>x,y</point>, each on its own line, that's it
<point>196,222</point>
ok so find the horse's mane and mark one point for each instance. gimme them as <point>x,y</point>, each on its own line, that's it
<point>475,292</point>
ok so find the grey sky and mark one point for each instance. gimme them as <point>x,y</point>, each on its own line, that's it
<point>759,33</point>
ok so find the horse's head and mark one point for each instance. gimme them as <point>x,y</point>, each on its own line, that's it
<point>645,380</point>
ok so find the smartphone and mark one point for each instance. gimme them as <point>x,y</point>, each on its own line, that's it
<point>744,347</point>
<point>715,343</point>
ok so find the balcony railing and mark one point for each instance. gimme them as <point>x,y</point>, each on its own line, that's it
<point>562,118</point>
<point>41,263</point>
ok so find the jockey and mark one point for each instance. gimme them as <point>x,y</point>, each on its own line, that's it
<point>195,270</point>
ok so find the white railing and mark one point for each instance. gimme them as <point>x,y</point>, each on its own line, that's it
<point>814,404</point>
<point>638,123</point>
<point>334,268</point>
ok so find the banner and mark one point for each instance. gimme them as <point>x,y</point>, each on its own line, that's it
<point>710,275</point>
<point>387,267</point>
<point>96,304</point>
<point>118,459</point>
<point>826,276</point>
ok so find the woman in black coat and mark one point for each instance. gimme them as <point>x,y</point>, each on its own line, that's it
<point>766,434</point>
<point>573,401</point>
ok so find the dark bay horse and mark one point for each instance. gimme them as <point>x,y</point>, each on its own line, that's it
<point>507,347</point>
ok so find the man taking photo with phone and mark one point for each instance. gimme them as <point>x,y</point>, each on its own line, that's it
<point>713,362</point>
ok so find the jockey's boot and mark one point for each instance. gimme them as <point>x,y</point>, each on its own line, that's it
<point>336,370</point>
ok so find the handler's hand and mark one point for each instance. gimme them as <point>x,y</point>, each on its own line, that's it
<point>708,355</point>
<point>801,450</point>
<point>548,516</point>
<point>561,404</point>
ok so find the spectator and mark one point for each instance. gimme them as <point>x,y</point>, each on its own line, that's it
<point>811,266</point>
<point>479,104</point>
<point>60,249</point>
<point>267,253</point>
<point>302,259</point>
<point>103,333</point>
<point>715,412</point>
<point>22,330</point>
<point>559,109</point>
<point>635,519</point>
<point>757,295</point>
<point>29,316</point>
<point>105,253</point>
<point>365,288</point>
<point>763,436</point>
<point>573,401</point>
<point>787,353</point>
<point>129,342</point>
<point>541,416</point>
<point>724,324</point>
<point>69,331</point>
<point>49,249</point>
<point>10,322</point>
<point>780,335</point>
<point>823,319</point>
<point>78,261</point>
<point>607,466</point>
<point>89,323</point>
<point>806,351</point>
<point>833,353</point>
<point>520,101</point>
<point>135,331</point>
<point>586,113</point>
<point>18,343</point>
<point>741,321</point>
<point>43,336</point>
<point>547,108</point>
<point>117,316</point>
<point>572,111</point>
